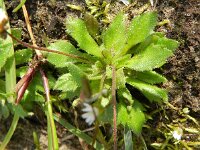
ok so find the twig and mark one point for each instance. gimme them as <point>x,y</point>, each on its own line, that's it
<point>46,49</point>
<point>39,54</point>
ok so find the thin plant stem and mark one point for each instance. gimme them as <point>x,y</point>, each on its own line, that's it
<point>36,141</point>
<point>10,75</point>
<point>78,132</point>
<point>19,6</point>
<point>28,24</point>
<point>50,114</point>
<point>114,107</point>
<point>47,50</point>
<point>10,132</point>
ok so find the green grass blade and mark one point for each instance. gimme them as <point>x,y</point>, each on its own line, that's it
<point>78,133</point>
<point>10,73</point>
<point>10,132</point>
<point>51,129</point>
<point>128,141</point>
<point>20,5</point>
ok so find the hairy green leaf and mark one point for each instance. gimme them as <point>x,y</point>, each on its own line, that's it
<point>23,56</point>
<point>149,76</point>
<point>151,92</point>
<point>114,38</point>
<point>16,32</point>
<point>76,72</point>
<point>91,24</point>
<point>120,78</point>
<point>4,53</point>
<point>140,28</point>
<point>60,60</point>
<point>168,43</point>
<point>158,39</point>
<point>20,72</point>
<point>69,94</point>
<point>121,61</point>
<point>66,83</point>
<point>19,110</point>
<point>124,94</point>
<point>77,29</point>
<point>133,119</point>
<point>152,57</point>
<point>106,115</point>
<point>153,38</point>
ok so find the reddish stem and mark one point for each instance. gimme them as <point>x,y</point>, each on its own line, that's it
<point>45,84</point>
<point>23,84</point>
<point>47,93</point>
<point>21,91</point>
<point>114,107</point>
<point>25,81</point>
<point>46,49</point>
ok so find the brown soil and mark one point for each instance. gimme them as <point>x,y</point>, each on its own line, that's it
<point>182,70</point>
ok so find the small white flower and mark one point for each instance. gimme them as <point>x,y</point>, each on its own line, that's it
<point>126,2</point>
<point>90,113</point>
<point>3,19</point>
<point>177,133</point>
<point>3,15</point>
<point>151,2</point>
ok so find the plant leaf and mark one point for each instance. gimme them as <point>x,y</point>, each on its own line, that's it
<point>76,72</point>
<point>19,110</point>
<point>91,24</point>
<point>4,111</point>
<point>105,116</point>
<point>128,140</point>
<point>66,83</point>
<point>121,61</point>
<point>79,133</point>
<point>4,53</point>
<point>141,27</point>
<point>23,56</point>
<point>152,57</point>
<point>133,119</point>
<point>16,32</point>
<point>151,92</point>
<point>168,43</point>
<point>149,76</point>
<point>120,78</point>
<point>3,86</point>
<point>124,94</point>
<point>114,38</point>
<point>77,29</point>
<point>60,60</point>
<point>158,39</point>
<point>153,38</point>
